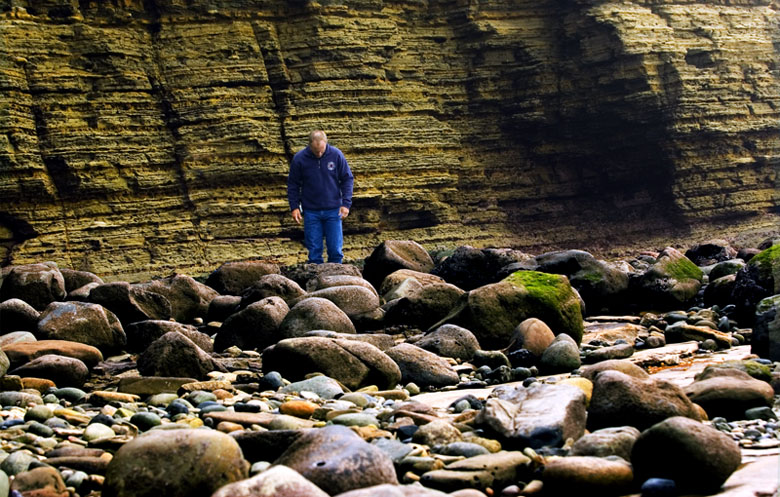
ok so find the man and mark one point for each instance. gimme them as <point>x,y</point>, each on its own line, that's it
<point>320,184</point>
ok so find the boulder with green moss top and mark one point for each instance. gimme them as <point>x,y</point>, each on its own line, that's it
<point>493,311</point>
<point>766,329</point>
<point>673,281</point>
<point>601,285</point>
<point>759,279</point>
<point>753,368</point>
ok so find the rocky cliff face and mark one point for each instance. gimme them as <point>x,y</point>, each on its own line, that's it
<point>141,136</point>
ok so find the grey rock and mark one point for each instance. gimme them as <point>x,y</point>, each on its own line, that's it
<point>355,364</point>
<point>766,330</point>
<point>271,285</point>
<point>277,481</point>
<point>188,298</point>
<point>142,333</point>
<point>617,441</point>
<point>539,415</point>
<point>729,393</point>
<point>425,307</point>
<point>496,470</point>
<point>174,354</point>
<point>587,475</point>
<point>64,371</point>
<point>354,300</point>
<point>17,315</point>
<point>533,335</point>
<point>422,367</point>
<point>37,284</point>
<point>450,340</point>
<point>255,327</point>
<point>82,322</point>
<point>619,399</point>
<point>232,278</point>
<point>392,255</point>
<point>337,460</point>
<point>314,314</point>
<point>562,356</point>
<point>697,457</point>
<point>130,303</point>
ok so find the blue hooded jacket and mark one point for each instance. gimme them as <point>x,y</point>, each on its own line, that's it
<point>319,183</point>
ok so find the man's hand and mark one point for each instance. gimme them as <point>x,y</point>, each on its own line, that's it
<point>343,212</point>
<point>296,215</point>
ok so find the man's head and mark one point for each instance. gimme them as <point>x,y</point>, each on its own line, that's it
<point>317,142</point>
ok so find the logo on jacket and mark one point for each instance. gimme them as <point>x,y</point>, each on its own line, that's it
<point>331,166</point>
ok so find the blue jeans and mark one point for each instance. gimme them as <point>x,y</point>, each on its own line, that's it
<point>317,224</point>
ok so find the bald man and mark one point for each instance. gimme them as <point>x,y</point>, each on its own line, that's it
<point>319,190</point>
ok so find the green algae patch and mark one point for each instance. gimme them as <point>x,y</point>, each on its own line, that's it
<point>547,287</point>
<point>768,264</point>
<point>684,269</point>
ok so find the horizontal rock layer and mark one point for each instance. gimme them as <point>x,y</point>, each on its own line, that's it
<point>137,137</point>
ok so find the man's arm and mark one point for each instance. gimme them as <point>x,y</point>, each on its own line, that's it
<point>346,184</point>
<point>294,190</point>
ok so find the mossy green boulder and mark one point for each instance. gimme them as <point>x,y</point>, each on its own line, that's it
<point>766,330</point>
<point>673,281</point>
<point>759,279</point>
<point>493,311</point>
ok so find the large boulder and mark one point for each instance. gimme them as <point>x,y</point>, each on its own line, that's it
<point>175,463</point>
<point>77,279</point>
<point>23,352</point>
<point>175,355</point>
<point>130,303</point>
<point>254,327</point>
<point>470,267</point>
<point>672,282</point>
<point>330,280</point>
<point>354,300</point>
<point>729,393</point>
<point>718,291</point>
<point>396,278</point>
<point>562,356</point>
<point>232,278</point>
<point>766,330</point>
<point>314,314</point>
<point>142,333</point>
<point>37,284</point>
<point>449,340</point>
<point>759,279</point>
<point>392,255</point>
<point>17,315</point>
<point>697,457</point>
<point>337,460</point>
<point>271,285</point>
<point>492,312</point>
<point>422,367</point>
<point>602,286</point>
<point>189,299</point>
<point>82,322</point>
<point>355,364</point>
<point>304,273</point>
<point>725,268</point>
<point>425,307</point>
<point>539,415</point>
<point>619,399</point>
<point>64,371</point>
<point>711,252</point>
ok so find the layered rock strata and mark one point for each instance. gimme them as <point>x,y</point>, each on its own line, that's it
<point>141,136</point>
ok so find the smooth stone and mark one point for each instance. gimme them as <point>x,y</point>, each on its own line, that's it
<point>659,487</point>
<point>19,399</point>
<point>539,415</point>
<point>617,441</point>
<point>141,385</point>
<point>587,475</point>
<point>359,399</point>
<point>766,413</point>
<point>422,367</point>
<point>161,399</point>
<point>98,431</point>
<point>284,422</point>
<point>437,432</point>
<point>355,419</point>
<point>729,393</point>
<point>43,481</point>
<point>465,449</point>
<point>337,460</point>
<point>40,429</point>
<point>532,335</point>
<point>277,481</point>
<point>323,386</point>
<point>496,470</point>
<point>185,462</point>
<point>145,420</point>
<point>17,462</point>
<point>395,449</point>
<point>71,394</point>
<point>38,413</point>
<point>66,371</point>
<point>697,457</point>
<point>561,356</point>
<point>5,484</point>
<point>271,380</point>
<point>23,352</point>
<point>299,408</point>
